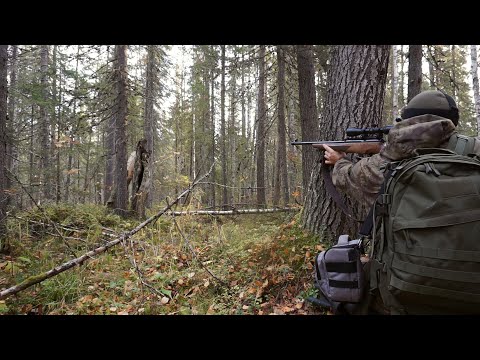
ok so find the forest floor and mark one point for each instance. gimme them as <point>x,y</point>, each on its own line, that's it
<point>244,264</point>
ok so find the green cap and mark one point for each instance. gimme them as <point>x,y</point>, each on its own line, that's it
<point>433,102</point>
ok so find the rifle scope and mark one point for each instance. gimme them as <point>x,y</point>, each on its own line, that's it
<point>368,131</point>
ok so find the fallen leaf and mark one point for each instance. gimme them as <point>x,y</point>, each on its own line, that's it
<point>122,313</point>
<point>299,305</point>
<point>165,300</point>
<point>278,311</point>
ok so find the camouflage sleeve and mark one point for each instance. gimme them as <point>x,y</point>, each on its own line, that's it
<point>361,180</point>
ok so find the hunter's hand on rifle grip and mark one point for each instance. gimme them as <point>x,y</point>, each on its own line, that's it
<point>331,156</point>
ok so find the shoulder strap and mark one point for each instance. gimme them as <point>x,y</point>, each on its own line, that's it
<point>367,225</point>
<point>461,144</point>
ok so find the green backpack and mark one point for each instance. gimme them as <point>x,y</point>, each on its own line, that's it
<point>425,252</point>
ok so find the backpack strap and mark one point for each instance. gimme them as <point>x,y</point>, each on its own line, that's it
<point>461,144</point>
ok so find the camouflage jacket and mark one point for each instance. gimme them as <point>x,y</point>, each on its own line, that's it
<point>363,179</point>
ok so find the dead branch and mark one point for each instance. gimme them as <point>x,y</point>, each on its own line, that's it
<point>78,261</point>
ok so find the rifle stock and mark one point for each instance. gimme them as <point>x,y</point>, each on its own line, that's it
<point>349,146</point>
<point>363,147</point>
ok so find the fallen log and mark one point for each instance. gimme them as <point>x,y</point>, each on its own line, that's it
<point>231,212</point>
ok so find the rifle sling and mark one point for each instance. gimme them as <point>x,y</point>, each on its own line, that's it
<point>332,190</point>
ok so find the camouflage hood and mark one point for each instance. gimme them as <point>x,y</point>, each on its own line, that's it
<point>423,131</point>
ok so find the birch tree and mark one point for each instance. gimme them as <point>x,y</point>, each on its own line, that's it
<point>476,94</point>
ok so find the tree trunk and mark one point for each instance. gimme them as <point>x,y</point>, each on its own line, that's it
<point>476,94</point>
<point>394,82</point>
<point>414,71</point>
<point>121,189</point>
<point>12,150</point>
<point>308,111</point>
<point>55,132</point>
<point>44,132</point>
<point>355,94</point>
<point>402,77</point>
<point>431,71</point>
<point>31,159</point>
<point>454,74</point>
<point>223,135</point>
<point>58,194</point>
<point>72,131</point>
<point>3,145</point>
<point>141,179</point>
<point>212,153</point>
<point>148,128</point>
<point>231,135</point>
<point>281,173</point>
<point>261,135</point>
<point>86,182</point>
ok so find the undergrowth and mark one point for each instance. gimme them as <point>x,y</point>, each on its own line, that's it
<point>247,264</point>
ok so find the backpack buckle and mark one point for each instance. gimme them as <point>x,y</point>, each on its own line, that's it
<point>385,199</point>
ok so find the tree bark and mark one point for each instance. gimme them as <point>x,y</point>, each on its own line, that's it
<point>308,111</point>
<point>261,135</point>
<point>414,71</point>
<point>3,145</point>
<point>121,189</point>
<point>356,83</point>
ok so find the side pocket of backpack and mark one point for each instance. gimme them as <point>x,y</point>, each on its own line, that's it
<point>340,273</point>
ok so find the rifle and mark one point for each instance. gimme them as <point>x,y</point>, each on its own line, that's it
<point>360,141</point>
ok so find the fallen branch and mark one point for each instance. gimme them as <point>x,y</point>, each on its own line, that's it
<point>231,212</point>
<point>78,261</point>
